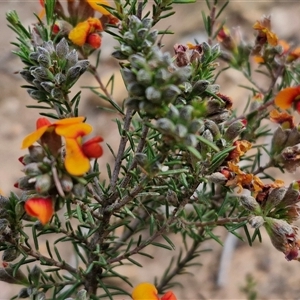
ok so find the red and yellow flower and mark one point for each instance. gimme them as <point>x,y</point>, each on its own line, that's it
<point>289,97</point>
<point>41,208</point>
<point>87,32</point>
<point>147,291</point>
<point>78,154</point>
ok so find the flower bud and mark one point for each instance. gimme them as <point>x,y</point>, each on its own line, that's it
<point>23,293</point>
<point>36,153</point>
<point>41,73</point>
<point>94,40</point>
<point>59,78</point>
<point>220,117</point>
<point>62,49</point>
<point>135,89</point>
<point>32,169</point>
<point>199,87</point>
<point>250,203</point>
<point>190,140</point>
<point>234,130</point>
<point>279,139</point>
<point>57,93</point>
<point>182,57</point>
<point>213,128</point>
<point>47,86</point>
<point>153,94</point>
<point>293,137</point>
<point>152,36</point>
<point>186,113</point>
<point>27,76</point>
<point>217,178</point>
<point>72,59</point>
<point>291,197</point>
<point>66,183</point>
<point>128,75</point>
<point>79,190</point>
<point>170,93</point>
<point>35,274</point>
<point>256,221</point>
<point>206,50</point>
<point>213,88</point>
<point>24,183</point>
<point>9,275</point>
<point>118,54</point>
<point>10,254</point>
<point>181,130</point>
<point>43,183</point>
<point>165,125</point>
<point>173,113</point>
<point>144,77</point>
<point>196,126</point>
<point>44,61</point>
<point>275,197</point>
<point>138,61</point>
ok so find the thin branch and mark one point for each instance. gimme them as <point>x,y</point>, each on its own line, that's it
<point>222,221</point>
<point>121,150</point>
<point>262,169</point>
<point>50,261</point>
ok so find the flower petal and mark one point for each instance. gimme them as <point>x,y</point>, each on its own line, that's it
<point>76,162</point>
<point>79,33</point>
<point>95,6</point>
<point>74,130</point>
<point>41,208</point>
<point>34,136</point>
<point>284,99</point>
<point>69,121</point>
<point>91,148</point>
<point>145,291</point>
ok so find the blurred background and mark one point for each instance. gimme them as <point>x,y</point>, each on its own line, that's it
<point>231,272</point>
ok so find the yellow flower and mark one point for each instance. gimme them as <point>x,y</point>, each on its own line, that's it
<point>78,154</point>
<point>147,291</point>
<point>79,35</point>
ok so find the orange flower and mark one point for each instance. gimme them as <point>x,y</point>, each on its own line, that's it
<point>283,118</point>
<point>78,154</point>
<point>147,291</point>
<point>242,179</point>
<point>82,32</point>
<point>288,97</point>
<point>241,148</point>
<point>264,31</point>
<point>41,208</point>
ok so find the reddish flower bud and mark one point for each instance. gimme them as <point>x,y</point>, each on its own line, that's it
<point>91,148</point>
<point>94,40</point>
<point>168,296</point>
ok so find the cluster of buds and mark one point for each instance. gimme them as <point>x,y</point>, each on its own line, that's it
<point>195,54</point>
<point>54,71</point>
<point>132,32</point>
<point>276,207</point>
<point>151,84</point>
<point>286,141</point>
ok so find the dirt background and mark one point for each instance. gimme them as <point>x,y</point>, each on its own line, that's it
<point>217,278</point>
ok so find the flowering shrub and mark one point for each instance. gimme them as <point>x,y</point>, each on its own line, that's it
<point>186,161</point>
